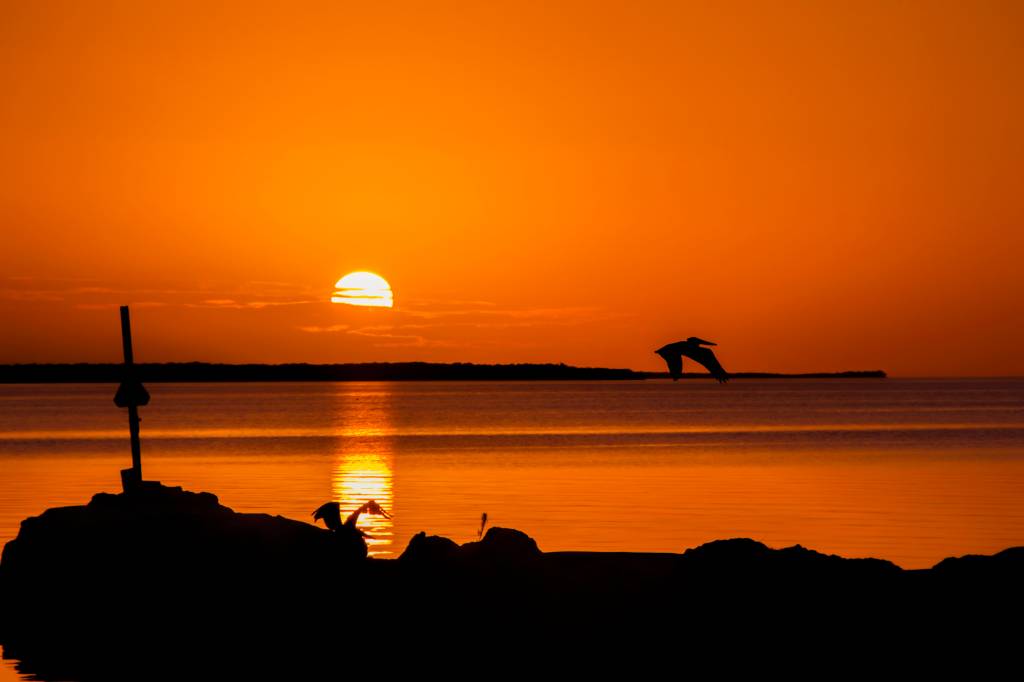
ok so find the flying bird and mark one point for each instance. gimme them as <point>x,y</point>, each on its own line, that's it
<point>694,349</point>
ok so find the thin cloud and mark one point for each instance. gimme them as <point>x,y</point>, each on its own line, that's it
<point>29,295</point>
<point>245,305</point>
<point>391,336</point>
<point>452,303</point>
<point>513,313</point>
<point>91,294</point>
<point>424,325</point>
<point>110,306</point>
<point>514,317</point>
<point>312,329</point>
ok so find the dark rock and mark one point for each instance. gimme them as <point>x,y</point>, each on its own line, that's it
<point>177,578</point>
<point>1008,563</point>
<point>162,539</point>
<point>498,546</point>
<point>502,545</point>
<point>750,556</point>
<point>736,549</point>
<point>749,576</point>
<point>429,549</point>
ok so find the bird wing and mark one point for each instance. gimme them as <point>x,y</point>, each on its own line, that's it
<point>706,357</point>
<point>674,359</point>
<point>321,511</point>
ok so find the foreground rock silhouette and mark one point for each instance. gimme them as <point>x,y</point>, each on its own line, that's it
<point>164,582</point>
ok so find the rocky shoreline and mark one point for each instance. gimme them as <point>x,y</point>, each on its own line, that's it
<point>170,576</point>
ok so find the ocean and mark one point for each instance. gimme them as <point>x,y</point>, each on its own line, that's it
<point>910,470</point>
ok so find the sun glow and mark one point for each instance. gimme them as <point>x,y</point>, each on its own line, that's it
<point>363,288</point>
<point>363,468</point>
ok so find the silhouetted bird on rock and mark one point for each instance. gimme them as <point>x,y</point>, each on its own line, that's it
<point>351,537</point>
<point>694,349</point>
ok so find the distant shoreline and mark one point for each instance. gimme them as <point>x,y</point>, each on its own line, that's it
<point>190,372</point>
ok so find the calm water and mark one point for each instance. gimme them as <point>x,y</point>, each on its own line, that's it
<point>908,470</point>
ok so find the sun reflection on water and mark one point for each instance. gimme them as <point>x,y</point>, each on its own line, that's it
<point>363,463</point>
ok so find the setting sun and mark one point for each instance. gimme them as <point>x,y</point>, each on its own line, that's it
<point>363,288</point>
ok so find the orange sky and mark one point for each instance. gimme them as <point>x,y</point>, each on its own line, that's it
<point>820,187</point>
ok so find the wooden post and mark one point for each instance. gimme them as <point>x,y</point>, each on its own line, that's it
<point>131,394</point>
<point>133,409</point>
<point>126,338</point>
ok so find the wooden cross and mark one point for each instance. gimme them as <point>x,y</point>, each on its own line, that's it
<point>133,395</point>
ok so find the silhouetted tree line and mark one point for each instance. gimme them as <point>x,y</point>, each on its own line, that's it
<point>366,371</point>
<point>370,371</point>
